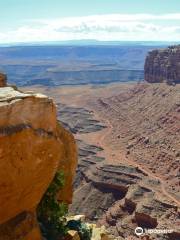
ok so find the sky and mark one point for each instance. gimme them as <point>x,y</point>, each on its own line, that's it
<point>103,20</point>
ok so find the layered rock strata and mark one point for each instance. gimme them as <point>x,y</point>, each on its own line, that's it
<point>122,198</point>
<point>163,65</point>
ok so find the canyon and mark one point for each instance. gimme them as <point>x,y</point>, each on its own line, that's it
<point>51,65</point>
<point>128,152</point>
<point>128,169</point>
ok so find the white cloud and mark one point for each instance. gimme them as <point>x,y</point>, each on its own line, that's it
<point>100,27</point>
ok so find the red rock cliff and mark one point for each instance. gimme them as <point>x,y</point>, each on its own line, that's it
<point>3,80</point>
<point>163,65</point>
<point>32,148</point>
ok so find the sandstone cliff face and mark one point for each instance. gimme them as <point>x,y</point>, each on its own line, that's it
<point>3,80</point>
<point>33,146</point>
<point>163,65</point>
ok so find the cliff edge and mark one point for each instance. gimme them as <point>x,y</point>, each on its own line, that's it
<point>163,65</point>
<point>33,146</point>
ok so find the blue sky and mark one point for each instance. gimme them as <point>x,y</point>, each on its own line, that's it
<point>55,20</point>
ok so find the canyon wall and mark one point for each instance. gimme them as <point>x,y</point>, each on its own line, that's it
<point>163,65</point>
<point>3,80</point>
<point>33,146</point>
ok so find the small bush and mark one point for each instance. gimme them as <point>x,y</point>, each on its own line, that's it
<point>84,231</point>
<point>51,213</point>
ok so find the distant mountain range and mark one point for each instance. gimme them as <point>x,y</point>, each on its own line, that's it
<point>75,62</point>
<point>92,42</point>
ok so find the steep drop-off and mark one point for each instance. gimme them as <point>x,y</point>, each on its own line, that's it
<point>128,172</point>
<point>138,182</point>
<point>163,65</point>
<point>33,146</point>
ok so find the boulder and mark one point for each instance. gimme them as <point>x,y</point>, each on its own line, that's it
<point>72,235</point>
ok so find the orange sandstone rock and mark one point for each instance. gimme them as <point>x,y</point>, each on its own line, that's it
<point>32,148</point>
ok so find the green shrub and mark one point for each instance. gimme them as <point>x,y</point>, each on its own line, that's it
<point>51,213</point>
<point>84,231</point>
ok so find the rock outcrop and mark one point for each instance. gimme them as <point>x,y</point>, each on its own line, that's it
<point>122,198</point>
<point>33,146</point>
<point>3,80</point>
<point>163,65</point>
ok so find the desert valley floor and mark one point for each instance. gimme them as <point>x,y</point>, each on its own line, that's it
<point>128,140</point>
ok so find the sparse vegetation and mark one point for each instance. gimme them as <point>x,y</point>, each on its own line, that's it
<point>51,213</point>
<point>84,231</point>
